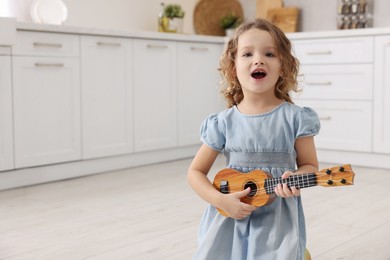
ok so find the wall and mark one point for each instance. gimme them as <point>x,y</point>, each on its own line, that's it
<point>141,15</point>
<point>319,15</point>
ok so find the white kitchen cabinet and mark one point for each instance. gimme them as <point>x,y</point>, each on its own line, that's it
<point>47,123</point>
<point>345,125</point>
<point>344,50</point>
<point>382,95</point>
<point>338,84</point>
<point>198,88</point>
<point>6,122</point>
<point>107,93</point>
<point>155,115</point>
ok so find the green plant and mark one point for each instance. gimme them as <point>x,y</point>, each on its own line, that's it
<point>173,10</point>
<point>230,21</point>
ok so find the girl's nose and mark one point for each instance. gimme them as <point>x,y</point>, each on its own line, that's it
<point>259,60</point>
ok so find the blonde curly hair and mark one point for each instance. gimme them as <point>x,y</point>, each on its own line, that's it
<point>287,82</point>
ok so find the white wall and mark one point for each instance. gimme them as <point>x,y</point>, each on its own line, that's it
<point>141,15</point>
<point>319,15</point>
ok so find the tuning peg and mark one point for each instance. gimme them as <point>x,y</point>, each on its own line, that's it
<point>330,182</point>
<point>328,171</point>
<point>343,181</point>
<point>341,169</point>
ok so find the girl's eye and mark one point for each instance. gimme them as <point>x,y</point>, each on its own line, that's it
<point>270,54</point>
<point>247,54</point>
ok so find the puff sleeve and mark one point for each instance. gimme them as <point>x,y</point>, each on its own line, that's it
<point>307,123</point>
<point>212,132</point>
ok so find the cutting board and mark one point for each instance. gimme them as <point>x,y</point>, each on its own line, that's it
<point>262,7</point>
<point>286,18</point>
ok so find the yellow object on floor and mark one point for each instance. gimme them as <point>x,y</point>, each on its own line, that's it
<point>307,255</point>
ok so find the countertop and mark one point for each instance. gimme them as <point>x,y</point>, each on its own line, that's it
<point>9,26</point>
<point>339,33</point>
<point>118,33</point>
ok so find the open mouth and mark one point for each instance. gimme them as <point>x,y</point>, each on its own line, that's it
<point>258,74</point>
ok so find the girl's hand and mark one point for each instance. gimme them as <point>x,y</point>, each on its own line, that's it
<point>233,206</point>
<point>283,191</point>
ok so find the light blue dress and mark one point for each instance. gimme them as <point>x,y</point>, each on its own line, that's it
<point>265,142</point>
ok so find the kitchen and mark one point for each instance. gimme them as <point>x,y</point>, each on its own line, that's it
<point>129,147</point>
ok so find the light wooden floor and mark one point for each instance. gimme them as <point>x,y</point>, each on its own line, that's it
<point>151,213</point>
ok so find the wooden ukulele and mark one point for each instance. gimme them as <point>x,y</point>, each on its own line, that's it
<point>262,184</point>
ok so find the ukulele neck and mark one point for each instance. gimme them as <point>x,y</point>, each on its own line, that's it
<point>299,181</point>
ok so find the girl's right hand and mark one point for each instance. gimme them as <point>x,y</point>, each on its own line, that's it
<point>233,206</point>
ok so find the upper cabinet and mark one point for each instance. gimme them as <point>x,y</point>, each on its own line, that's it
<point>198,88</point>
<point>155,107</point>
<point>107,96</point>
<point>6,122</point>
<point>382,95</point>
<point>46,86</point>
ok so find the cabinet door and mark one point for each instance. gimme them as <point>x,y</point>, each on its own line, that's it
<point>6,135</point>
<point>106,96</point>
<point>198,88</point>
<point>46,110</point>
<point>382,95</point>
<point>154,95</point>
<point>345,125</point>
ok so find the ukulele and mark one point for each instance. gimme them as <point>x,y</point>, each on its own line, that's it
<point>262,184</point>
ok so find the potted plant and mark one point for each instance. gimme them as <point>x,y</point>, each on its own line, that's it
<point>175,15</point>
<point>229,23</point>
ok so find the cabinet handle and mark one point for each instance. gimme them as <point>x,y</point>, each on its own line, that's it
<point>112,44</point>
<point>325,118</point>
<point>319,52</point>
<point>199,49</point>
<point>156,46</point>
<point>51,45</point>
<point>57,65</point>
<point>322,83</point>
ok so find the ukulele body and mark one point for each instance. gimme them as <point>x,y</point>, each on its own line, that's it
<point>231,181</point>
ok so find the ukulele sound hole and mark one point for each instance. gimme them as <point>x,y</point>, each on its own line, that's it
<point>253,187</point>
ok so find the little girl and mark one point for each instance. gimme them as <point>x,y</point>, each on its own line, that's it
<point>261,129</point>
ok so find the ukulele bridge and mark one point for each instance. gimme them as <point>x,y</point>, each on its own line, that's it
<point>224,187</point>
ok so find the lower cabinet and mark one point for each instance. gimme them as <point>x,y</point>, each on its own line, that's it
<point>198,88</point>
<point>345,125</point>
<point>155,116</point>
<point>107,96</point>
<point>6,131</point>
<point>46,110</point>
<point>382,95</point>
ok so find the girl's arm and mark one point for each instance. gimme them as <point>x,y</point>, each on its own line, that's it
<point>197,178</point>
<point>307,162</point>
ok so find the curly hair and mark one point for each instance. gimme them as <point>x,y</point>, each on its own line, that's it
<point>231,88</point>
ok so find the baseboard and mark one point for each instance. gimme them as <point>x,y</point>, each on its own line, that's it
<point>37,175</point>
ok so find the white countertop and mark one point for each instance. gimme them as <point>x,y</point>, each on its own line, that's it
<point>10,26</point>
<point>339,33</point>
<point>118,33</point>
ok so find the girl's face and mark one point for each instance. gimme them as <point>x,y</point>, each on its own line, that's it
<point>257,62</point>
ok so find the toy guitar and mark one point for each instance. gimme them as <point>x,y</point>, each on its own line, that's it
<point>262,184</point>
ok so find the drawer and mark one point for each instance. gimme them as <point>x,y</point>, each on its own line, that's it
<point>345,125</point>
<point>5,50</point>
<point>46,44</point>
<point>337,82</point>
<point>330,51</point>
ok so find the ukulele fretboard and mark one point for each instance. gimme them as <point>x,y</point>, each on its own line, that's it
<point>299,181</point>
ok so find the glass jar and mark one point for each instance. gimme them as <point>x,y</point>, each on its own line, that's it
<point>354,14</point>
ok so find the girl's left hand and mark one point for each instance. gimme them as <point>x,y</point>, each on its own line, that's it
<point>283,191</point>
